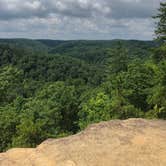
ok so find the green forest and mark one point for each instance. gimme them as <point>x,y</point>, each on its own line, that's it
<point>55,88</point>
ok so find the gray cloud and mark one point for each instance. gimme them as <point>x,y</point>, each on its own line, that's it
<point>10,9</point>
<point>75,19</point>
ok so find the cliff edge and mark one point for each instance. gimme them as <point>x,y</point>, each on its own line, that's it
<point>132,142</point>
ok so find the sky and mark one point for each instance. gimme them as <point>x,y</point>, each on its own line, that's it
<point>78,19</point>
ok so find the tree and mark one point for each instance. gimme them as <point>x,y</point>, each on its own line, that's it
<point>159,54</point>
<point>10,84</point>
<point>94,110</point>
<point>9,119</point>
<point>161,24</point>
<point>136,83</point>
<point>31,130</point>
<point>64,99</point>
<point>157,95</point>
<point>122,86</point>
<point>118,60</point>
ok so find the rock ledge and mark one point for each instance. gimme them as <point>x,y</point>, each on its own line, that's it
<point>132,142</point>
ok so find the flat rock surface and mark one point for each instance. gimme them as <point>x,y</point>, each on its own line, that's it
<point>133,142</point>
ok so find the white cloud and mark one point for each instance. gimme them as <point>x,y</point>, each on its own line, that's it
<point>76,19</point>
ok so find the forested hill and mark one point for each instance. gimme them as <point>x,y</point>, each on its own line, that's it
<point>50,89</point>
<point>55,60</point>
<point>89,51</point>
<point>25,43</point>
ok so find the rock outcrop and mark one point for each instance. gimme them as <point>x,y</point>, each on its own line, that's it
<point>133,142</point>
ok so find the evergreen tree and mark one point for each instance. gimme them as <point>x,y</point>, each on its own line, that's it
<point>161,24</point>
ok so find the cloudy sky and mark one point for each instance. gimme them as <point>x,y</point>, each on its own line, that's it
<point>78,19</point>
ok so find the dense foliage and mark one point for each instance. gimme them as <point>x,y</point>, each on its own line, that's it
<point>161,24</point>
<point>50,89</point>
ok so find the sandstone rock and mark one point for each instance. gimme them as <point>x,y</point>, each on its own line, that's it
<point>133,142</point>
